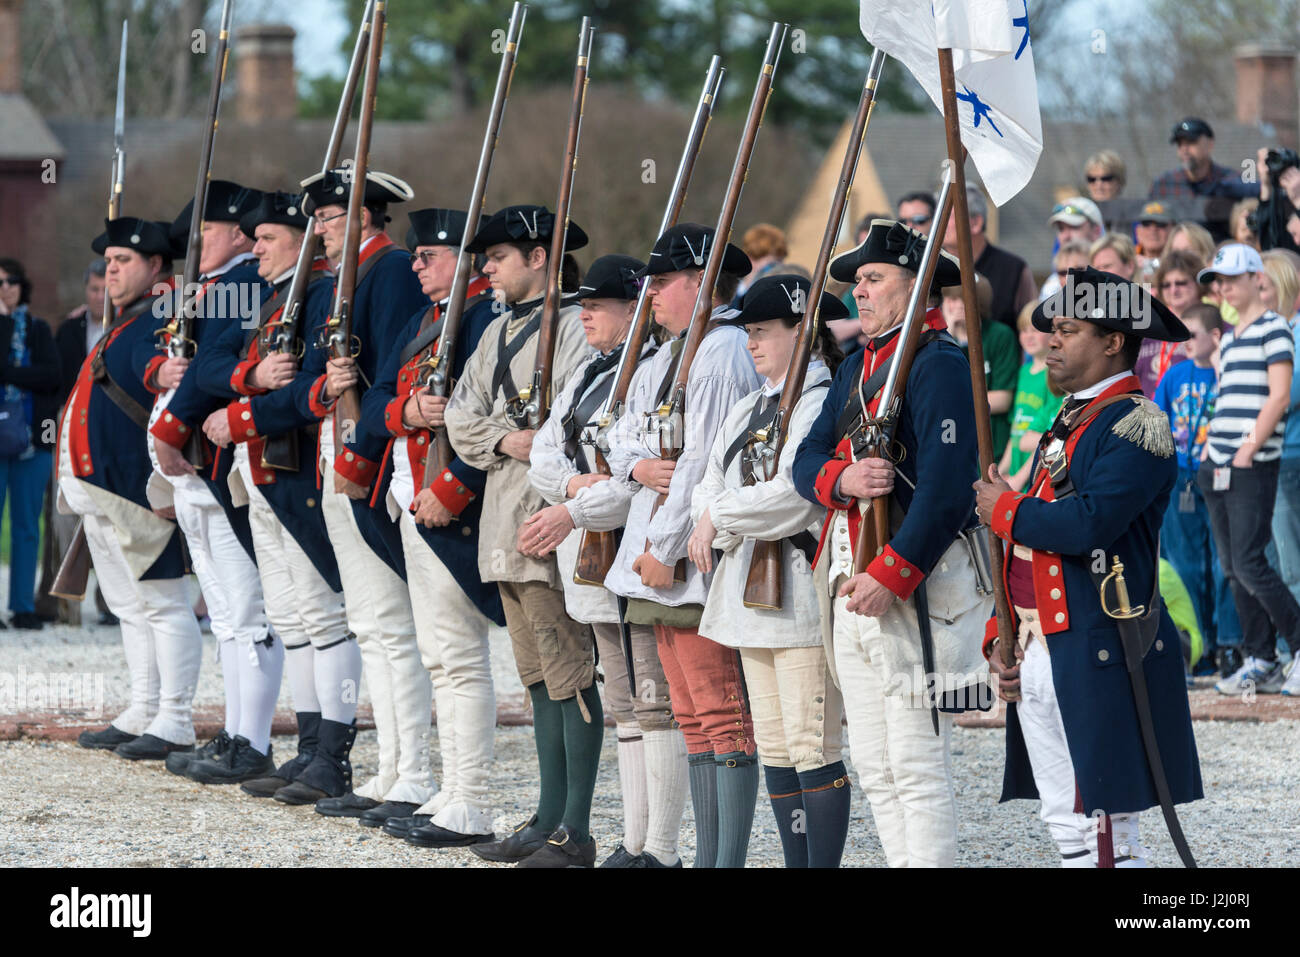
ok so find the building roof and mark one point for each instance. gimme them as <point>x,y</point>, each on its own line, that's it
<point>23,134</point>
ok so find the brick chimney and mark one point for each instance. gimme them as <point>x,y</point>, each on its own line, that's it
<point>11,60</point>
<point>267,91</point>
<point>1267,92</point>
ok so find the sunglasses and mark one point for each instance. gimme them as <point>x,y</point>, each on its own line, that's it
<point>918,220</point>
<point>427,257</point>
<point>1103,178</point>
<point>1151,224</point>
<point>8,281</point>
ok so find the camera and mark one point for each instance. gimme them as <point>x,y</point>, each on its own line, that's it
<point>1279,160</point>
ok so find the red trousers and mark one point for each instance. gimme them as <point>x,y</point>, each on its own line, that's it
<point>706,692</point>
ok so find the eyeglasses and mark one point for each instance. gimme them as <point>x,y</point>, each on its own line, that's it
<point>427,257</point>
<point>1062,273</point>
<point>1152,224</point>
<point>1103,178</point>
<point>1175,283</point>
<point>920,219</point>
<point>322,220</point>
<point>9,281</point>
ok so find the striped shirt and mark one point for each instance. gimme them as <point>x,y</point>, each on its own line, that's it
<point>1244,358</point>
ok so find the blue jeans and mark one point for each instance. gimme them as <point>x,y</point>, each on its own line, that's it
<point>1187,543</point>
<point>24,481</point>
<point>1286,525</point>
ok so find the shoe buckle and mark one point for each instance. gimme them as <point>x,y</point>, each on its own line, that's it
<point>559,843</point>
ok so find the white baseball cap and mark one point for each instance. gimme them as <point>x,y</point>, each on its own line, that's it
<point>1075,211</point>
<point>1232,259</point>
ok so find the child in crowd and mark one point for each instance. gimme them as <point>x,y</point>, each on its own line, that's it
<point>1034,402</point>
<point>1002,357</point>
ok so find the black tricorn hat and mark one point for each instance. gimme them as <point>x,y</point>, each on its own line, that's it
<point>145,236</point>
<point>278,207</point>
<point>889,241</point>
<point>333,187</point>
<point>784,297</point>
<point>436,227</point>
<point>227,202</point>
<point>1112,302</point>
<point>687,246</point>
<point>524,224</point>
<point>611,277</point>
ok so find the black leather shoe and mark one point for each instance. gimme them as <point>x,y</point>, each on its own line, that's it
<point>291,770</point>
<point>376,816</point>
<point>431,835</point>
<point>242,762</point>
<point>401,826</point>
<point>649,861</point>
<point>180,762</point>
<point>348,805</point>
<point>105,739</point>
<point>518,844</point>
<point>621,857</point>
<point>297,792</point>
<point>563,849</point>
<point>27,621</point>
<point>149,747</point>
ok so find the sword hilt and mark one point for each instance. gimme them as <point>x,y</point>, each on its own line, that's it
<point>1121,593</point>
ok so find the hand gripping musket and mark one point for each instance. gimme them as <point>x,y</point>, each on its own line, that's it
<point>435,368</point>
<point>669,419</point>
<point>761,455</point>
<point>878,433</point>
<point>74,570</point>
<point>284,336</point>
<point>180,330</point>
<point>534,402</point>
<point>596,550</point>
<point>337,332</point>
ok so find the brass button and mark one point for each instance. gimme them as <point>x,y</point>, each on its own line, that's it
<point>311,503</point>
<point>467,530</point>
<point>1103,655</point>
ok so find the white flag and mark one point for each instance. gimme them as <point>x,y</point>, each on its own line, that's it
<point>993,63</point>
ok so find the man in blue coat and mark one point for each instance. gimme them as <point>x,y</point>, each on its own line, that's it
<point>103,468</point>
<point>1092,512</point>
<point>919,587</point>
<point>367,545</point>
<point>274,469</point>
<point>438,522</point>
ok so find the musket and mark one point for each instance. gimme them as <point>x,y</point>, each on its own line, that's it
<point>596,550</point>
<point>283,335</point>
<point>534,402</point>
<point>669,419</point>
<point>339,329</point>
<point>181,329</point>
<point>281,451</point>
<point>763,581</point>
<point>74,570</point>
<point>435,371</point>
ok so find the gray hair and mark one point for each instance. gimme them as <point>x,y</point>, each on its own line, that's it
<point>975,203</point>
<point>97,267</point>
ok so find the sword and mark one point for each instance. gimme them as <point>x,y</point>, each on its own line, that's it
<point>1135,648</point>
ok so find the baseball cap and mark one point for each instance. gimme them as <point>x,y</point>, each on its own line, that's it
<point>1155,212</point>
<point>1191,128</point>
<point>1232,260</point>
<point>1075,211</point>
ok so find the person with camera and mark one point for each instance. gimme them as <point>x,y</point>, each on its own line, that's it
<point>1279,198</point>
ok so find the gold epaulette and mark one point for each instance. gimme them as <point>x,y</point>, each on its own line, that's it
<point>1146,427</point>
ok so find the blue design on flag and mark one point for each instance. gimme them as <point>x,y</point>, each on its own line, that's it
<point>1022,22</point>
<point>979,109</point>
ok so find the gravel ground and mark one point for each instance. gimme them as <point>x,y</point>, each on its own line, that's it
<point>64,806</point>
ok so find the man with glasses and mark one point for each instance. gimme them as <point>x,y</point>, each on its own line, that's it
<point>1009,276</point>
<point>1076,218</point>
<point>916,210</point>
<point>1152,232</point>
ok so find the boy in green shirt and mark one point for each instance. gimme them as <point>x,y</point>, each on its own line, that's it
<point>1002,357</point>
<point>1035,407</point>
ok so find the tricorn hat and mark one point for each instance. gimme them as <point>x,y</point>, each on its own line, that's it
<point>145,236</point>
<point>226,202</point>
<point>783,297</point>
<point>523,224</point>
<point>333,187</point>
<point>611,277</point>
<point>436,227</point>
<point>687,246</point>
<point>889,241</point>
<point>1112,302</point>
<point>278,207</point>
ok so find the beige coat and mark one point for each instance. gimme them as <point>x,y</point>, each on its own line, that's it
<point>476,422</point>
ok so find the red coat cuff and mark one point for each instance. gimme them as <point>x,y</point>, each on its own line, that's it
<point>171,430</point>
<point>451,492</point>
<point>1004,514</point>
<point>990,636</point>
<point>356,469</point>
<point>239,417</point>
<point>314,401</point>
<point>239,378</point>
<point>826,479</point>
<point>393,417</point>
<point>895,572</point>
<point>150,371</point>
